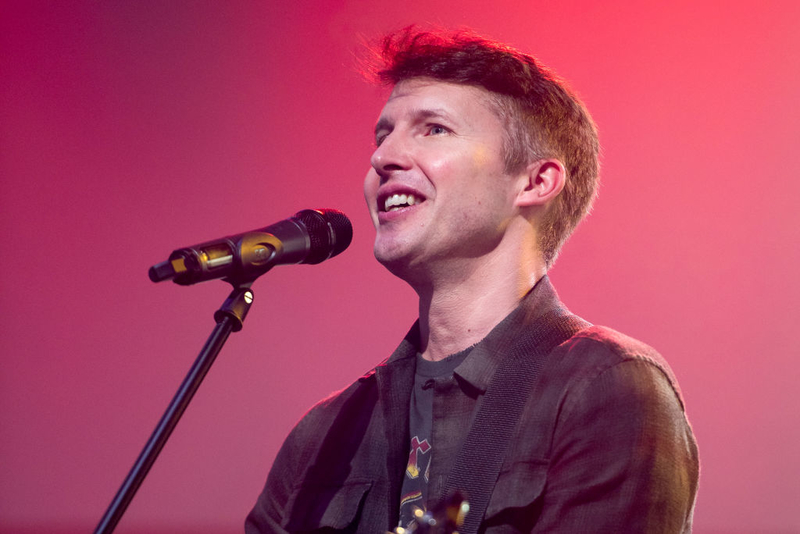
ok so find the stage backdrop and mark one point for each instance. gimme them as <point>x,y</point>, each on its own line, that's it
<point>129,129</point>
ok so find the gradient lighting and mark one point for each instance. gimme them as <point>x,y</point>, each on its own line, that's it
<point>129,129</point>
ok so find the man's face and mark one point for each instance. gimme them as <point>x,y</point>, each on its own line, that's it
<point>437,189</point>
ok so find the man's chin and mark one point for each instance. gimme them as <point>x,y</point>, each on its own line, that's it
<point>394,258</point>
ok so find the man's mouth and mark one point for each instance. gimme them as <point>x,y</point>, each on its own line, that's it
<point>399,201</point>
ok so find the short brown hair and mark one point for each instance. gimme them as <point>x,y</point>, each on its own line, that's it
<point>543,118</point>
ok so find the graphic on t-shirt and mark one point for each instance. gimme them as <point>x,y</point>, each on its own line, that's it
<point>419,461</point>
<point>417,447</point>
<point>411,497</point>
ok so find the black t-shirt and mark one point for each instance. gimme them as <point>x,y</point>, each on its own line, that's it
<point>415,482</point>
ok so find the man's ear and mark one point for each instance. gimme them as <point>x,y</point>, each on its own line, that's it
<point>541,182</point>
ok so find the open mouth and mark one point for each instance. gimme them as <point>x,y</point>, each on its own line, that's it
<point>399,201</point>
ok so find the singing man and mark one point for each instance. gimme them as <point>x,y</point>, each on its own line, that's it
<point>484,164</point>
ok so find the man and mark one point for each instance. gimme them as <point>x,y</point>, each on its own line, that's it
<point>484,164</point>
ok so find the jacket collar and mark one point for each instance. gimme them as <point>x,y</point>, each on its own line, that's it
<point>482,361</point>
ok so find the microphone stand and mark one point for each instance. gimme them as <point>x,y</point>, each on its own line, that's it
<point>229,319</point>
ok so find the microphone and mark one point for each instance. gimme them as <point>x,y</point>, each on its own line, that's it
<point>311,236</point>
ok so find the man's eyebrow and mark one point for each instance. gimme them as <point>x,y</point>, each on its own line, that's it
<point>418,115</point>
<point>422,114</point>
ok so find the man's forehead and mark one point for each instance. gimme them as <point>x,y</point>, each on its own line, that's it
<point>414,85</point>
<point>436,98</point>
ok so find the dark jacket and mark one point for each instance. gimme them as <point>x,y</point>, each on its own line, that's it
<point>603,444</point>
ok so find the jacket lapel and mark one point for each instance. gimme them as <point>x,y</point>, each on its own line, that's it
<point>395,380</point>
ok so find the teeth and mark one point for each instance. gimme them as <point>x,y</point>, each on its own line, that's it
<point>399,201</point>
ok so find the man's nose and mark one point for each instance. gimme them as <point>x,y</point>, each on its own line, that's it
<point>393,154</point>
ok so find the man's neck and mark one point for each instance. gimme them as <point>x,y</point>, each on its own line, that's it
<point>462,308</point>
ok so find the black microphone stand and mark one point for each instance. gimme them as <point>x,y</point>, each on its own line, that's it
<point>229,319</point>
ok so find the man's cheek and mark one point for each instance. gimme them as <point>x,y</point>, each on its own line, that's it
<point>370,188</point>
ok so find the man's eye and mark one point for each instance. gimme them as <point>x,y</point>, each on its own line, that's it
<point>436,129</point>
<point>379,139</point>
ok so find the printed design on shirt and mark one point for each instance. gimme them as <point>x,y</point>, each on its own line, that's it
<point>410,497</point>
<point>417,447</point>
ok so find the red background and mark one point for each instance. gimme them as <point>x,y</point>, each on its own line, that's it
<point>128,129</point>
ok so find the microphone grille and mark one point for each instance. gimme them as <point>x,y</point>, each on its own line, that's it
<point>329,231</point>
<point>341,228</point>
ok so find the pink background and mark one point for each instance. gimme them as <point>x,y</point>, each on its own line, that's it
<point>128,129</point>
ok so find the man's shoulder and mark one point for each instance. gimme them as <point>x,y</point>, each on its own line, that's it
<point>612,344</point>
<point>327,408</point>
<point>597,350</point>
<point>357,405</point>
